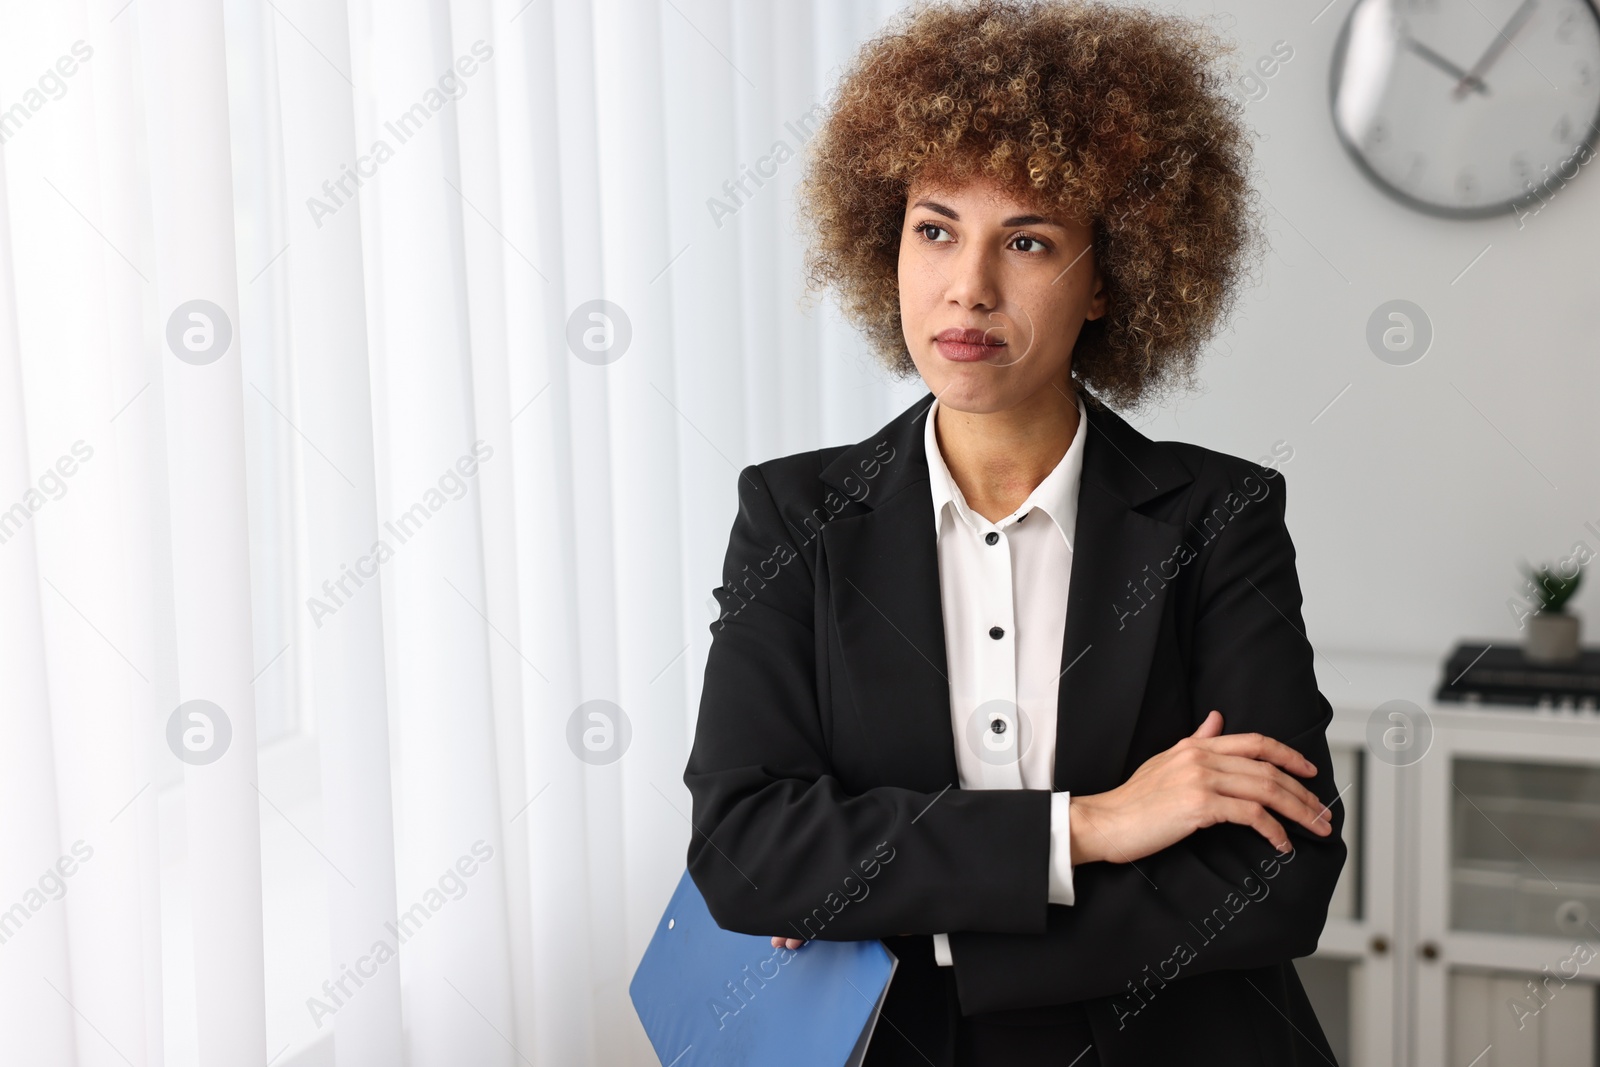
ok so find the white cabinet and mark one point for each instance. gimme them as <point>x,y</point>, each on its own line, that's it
<point>1466,927</point>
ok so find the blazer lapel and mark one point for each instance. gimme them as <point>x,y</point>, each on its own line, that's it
<point>1115,602</point>
<point>882,570</point>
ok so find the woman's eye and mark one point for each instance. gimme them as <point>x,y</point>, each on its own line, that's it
<point>924,227</point>
<point>1032,241</point>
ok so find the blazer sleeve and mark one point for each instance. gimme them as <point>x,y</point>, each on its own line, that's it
<point>778,845</point>
<point>1222,898</point>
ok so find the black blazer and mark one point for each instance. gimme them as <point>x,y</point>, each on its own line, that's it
<point>823,770</point>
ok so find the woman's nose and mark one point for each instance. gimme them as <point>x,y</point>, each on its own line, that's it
<point>971,279</point>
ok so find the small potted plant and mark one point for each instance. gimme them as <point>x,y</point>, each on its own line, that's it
<point>1552,630</point>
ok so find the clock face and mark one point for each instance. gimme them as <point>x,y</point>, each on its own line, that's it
<point>1469,108</point>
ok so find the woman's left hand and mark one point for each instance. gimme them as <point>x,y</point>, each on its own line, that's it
<point>787,942</point>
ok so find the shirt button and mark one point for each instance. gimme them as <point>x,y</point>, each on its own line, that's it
<point>998,726</point>
<point>991,537</point>
<point>996,632</point>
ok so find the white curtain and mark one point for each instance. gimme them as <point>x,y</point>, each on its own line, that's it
<point>374,378</point>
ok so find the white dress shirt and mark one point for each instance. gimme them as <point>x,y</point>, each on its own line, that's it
<point>1003,588</point>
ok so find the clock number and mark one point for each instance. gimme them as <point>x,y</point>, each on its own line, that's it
<point>1418,162</point>
<point>1522,171</point>
<point>1585,72</point>
<point>1528,181</point>
<point>1566,27</point>
<point>1563,130</point>
<point>1377,135</point>
<point>1467,184</point>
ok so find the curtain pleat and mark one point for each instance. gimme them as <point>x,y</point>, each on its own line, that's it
<point>537,112</point>
<point>638,819</point>
<point>706,99</point>
<point>34,977</point>
<point>184,66</point>
<point>328,330</point>
<point>456,971</point>
<point>75,896</point>
<point>137,422</point>
<point>496,269</point>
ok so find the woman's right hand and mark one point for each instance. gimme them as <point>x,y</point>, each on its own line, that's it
<point>1205,779</point>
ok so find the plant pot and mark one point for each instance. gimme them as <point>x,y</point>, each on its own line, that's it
<point>1552,638</point>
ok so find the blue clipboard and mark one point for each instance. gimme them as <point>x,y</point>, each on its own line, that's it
<point>710,996</point>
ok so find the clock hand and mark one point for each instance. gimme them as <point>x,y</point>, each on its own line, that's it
<point>1444,64</point>
<point>1496,46</point>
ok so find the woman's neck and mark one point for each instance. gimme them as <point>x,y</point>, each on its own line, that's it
<point>998,458</point>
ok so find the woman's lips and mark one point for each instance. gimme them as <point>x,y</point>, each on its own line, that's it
<point>964,352</point>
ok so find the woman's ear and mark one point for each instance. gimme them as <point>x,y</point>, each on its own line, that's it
<point>1100,302</point>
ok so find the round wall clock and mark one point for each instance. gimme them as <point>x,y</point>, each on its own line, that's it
<point>1468,109</point>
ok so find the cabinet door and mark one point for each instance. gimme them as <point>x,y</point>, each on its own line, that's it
<point>1508,894</point>
<point>1351,977</point>
<point>1503,1018</point>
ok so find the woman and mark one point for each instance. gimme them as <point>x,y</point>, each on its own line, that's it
<point>1009,685</point>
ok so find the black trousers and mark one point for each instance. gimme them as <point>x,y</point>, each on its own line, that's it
<point>984,1042</point>
<point>1242,1018</point>
<point>922,1023</point>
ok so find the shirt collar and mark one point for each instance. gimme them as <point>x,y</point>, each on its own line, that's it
<point>1057,495</point>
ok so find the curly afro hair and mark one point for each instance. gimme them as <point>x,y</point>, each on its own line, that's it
<point>1115,116</point>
